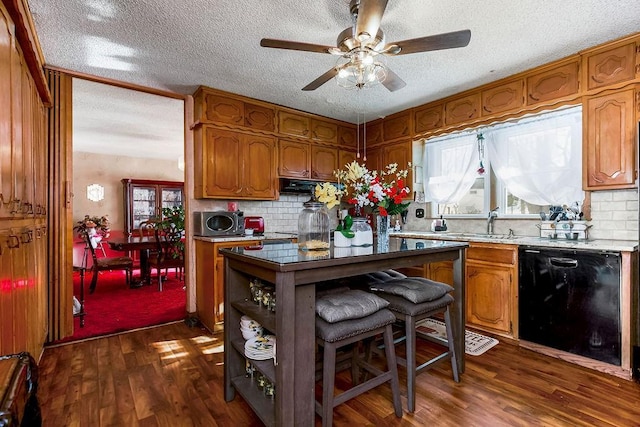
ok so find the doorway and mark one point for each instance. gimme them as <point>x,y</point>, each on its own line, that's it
<point>120,134</point>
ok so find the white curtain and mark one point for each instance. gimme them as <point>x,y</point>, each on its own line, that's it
<point>450,167</point>
<point>539,159</point>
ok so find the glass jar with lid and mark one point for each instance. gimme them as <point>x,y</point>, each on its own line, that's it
<point>314,227</point>
<point>363,233</point>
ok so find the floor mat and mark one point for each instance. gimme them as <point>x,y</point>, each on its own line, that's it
<point>474,344</point>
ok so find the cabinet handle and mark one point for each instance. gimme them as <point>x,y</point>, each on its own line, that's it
<point>533,97</point>
<point>305,173</point>
<point>596,179</point>
<point>236,118</point>
<point>13,242</point>
<point>15,206</point>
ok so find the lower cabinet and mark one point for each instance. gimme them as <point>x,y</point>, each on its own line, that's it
<point>491,287</point>
<point>210,281</point>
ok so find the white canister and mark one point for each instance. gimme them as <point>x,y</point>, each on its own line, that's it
<point>363,233</point>
<point>340,241</point>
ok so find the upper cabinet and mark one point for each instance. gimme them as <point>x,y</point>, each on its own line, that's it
<point>401,154</point>
<point>606,66</point>
<point>505,97</point>
<point>294,159</point>
<point>323,131</point>
<point>551,84</point>
<point>462,109</point>
<point>397,126</point>
<point>428,118</point>
<point>216,107</point>
<point>231,164</point>
<point>324,160</point>
<point>373,133</point>
<point>294,124</point>
<point>610,141</point>
<point>347,137</point>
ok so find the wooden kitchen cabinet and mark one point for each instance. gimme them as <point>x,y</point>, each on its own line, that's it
<point>610,141</point>
<point>505,97</point>
<point>346,157</point>
<point>215,106</point>
<point>347,136</point>
<point>294,159</point>
<point>556,82</point>
<point>231,164</point>
<point>491,287</point>
<point>324,160</point>
<point>397,126</point>
<point>402,154</point>
<point>429,118</point>
<point>373,133</point>
<point>210,281</point>
<point>462,109</point>
<point>294,124</point>
<point>323,131</point>
<point>610,65</point>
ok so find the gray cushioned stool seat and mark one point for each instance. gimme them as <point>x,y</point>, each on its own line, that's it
<point>332,336</point>
<point>411,313</point>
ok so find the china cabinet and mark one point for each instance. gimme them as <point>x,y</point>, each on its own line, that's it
<point>145,199</point>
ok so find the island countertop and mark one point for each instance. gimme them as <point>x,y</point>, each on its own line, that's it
<point>293,274</point>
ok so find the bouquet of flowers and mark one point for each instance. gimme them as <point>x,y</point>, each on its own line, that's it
<point>382,191</point>
<point>94,225</point>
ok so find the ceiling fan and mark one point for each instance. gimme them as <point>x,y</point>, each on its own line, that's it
<point>359,46</point>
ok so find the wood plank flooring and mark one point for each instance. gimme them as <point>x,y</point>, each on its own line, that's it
<point>172,375</point>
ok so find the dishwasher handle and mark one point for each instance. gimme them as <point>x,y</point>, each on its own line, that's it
<point>564,262</point>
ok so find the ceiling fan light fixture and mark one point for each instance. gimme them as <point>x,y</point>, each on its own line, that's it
<point>360,71</point>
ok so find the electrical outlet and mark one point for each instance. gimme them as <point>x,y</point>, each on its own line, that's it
<point>419,213</point>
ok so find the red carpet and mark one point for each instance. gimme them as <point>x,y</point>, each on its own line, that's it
<point>114,307</point>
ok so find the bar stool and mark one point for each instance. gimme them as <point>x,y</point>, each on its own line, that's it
<point>346,318</point>
<point>411,300</point>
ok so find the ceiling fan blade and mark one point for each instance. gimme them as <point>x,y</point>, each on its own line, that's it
<point>369,16</point>
<point>322,79</point>
<point>392,81</point>
<point>286,44</point>
<point>425,44</point>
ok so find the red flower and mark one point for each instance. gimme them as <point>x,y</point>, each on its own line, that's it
<point>382,210</point>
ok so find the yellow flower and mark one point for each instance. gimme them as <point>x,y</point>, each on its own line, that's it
<point>328,194</point>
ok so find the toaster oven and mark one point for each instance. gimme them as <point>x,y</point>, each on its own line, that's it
<point>220,223</point>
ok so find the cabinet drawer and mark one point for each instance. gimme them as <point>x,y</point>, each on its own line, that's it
<point>493,254</point>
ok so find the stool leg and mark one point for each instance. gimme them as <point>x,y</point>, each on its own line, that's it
<point>392,365</point>
<point>328,383</point>
<point>452,351</point>
<point>410,333</point>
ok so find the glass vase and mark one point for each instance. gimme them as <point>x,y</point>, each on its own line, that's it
<point>383,228</point>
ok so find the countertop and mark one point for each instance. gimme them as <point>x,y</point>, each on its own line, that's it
<point>597,245</point>
<point>243,238</point>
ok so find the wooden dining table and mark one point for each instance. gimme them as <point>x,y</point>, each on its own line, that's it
<point>141,244</point>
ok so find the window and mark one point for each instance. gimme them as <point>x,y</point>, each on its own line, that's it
<point>536,162</point>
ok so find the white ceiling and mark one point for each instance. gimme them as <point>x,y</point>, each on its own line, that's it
<point>178,46</point>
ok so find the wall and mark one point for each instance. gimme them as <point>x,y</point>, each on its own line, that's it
<point>614,216</point>
<point>106,170</point>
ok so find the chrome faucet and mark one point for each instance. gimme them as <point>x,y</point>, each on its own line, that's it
<point>493,214</point>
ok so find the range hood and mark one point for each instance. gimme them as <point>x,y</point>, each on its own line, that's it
<point>297,186</point>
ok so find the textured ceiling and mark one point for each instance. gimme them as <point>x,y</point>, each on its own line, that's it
<point>178,46</point>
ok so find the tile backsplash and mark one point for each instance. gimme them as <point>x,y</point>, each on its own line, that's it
<point>614,215</point>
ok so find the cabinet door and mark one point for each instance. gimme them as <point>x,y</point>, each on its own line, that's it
<point>294,159</point>
<point>259,117</point>
<point>170,197</point>
<point>610,141</point>
<point>225,110</point>
<point>372,158</point>
<point>347,136</point>
<point>222,163</point>
<point>373,133</point>
<point>6,43</point>
<point>401,154</point>
<point>259,175</point>
<point>611,66</point>
<point>397,126</point>
<point>462,109</point>
<point>324,160</point>
<point>552,84</point>
<point>144,205</point>
<point>508,96</point>
<point>294,124</point>
<point>441,272</point>
<point>345,157</point>
<point>322,131</point>
<point>489,296</point>
<point>429,118</point>
<point>205,283</point>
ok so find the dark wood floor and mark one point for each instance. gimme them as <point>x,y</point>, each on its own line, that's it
<point>172,376</point>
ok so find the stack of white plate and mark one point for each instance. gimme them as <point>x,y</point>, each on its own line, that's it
<point>250,328</point>
<point>260,348</point>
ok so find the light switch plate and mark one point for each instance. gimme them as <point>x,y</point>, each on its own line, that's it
<point>419,213</point>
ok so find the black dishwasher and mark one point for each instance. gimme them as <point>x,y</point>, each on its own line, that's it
<point>570,300</point>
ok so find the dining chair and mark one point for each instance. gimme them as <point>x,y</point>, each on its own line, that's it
<point>169,253</point>
<point>106,263</point>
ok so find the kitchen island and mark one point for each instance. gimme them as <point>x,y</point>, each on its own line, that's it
<point>294,275</point>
